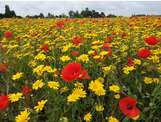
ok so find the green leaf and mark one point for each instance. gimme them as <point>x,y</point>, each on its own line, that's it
<point>1,34</point>
<point>126,120</point>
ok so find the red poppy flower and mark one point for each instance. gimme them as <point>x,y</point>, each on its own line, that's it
<point>109,52</point>
<point>106,46</point>
<point>144,53</point>
<point>26,90</point>
<point>84,75</point>
<point>113,33</point>
<point>3,68</point>
<point>152,40</point>
<point>109,39</point>
<point>73,71</point>
<point>4,102</point>
<point>77,40</point>
<point>74,53</point>
<point>8,34</point>
<point>130,61</point>
<point>60,24</point>
<point>45,47</point>
<point>128,107</point>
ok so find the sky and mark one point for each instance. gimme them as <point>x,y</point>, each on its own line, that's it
<point>123,8</point>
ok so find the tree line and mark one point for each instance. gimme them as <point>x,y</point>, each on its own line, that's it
<point>8,13</point>
<point>86,13</point>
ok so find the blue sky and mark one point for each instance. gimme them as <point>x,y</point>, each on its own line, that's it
<point>125,8</point>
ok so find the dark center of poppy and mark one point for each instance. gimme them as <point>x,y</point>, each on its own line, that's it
<point>129,106</point>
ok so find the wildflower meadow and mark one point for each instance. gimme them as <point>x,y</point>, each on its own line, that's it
<point>80,69</point>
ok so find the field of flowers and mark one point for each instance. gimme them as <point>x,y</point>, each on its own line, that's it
<point>77,70</point>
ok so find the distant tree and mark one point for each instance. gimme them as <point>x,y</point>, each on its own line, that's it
<point>111,15</point>
<point>18,16</point>
<point>7,10</point>
<point>1,15</point>
<point>86,13</point>
<point>95,14</point>
<point>12,13</point>
<point>41,15</point>
<point>50,15</point>
<point>8,13</point>
<point>27,16</point>
<point>60,16</point>
<point>139,15</point>
<point>63,16</point>
<point>91,13</point>
<point>71,14</point>
<point>77,14</point>
<point>56,16</point>
<point>102,14</point>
